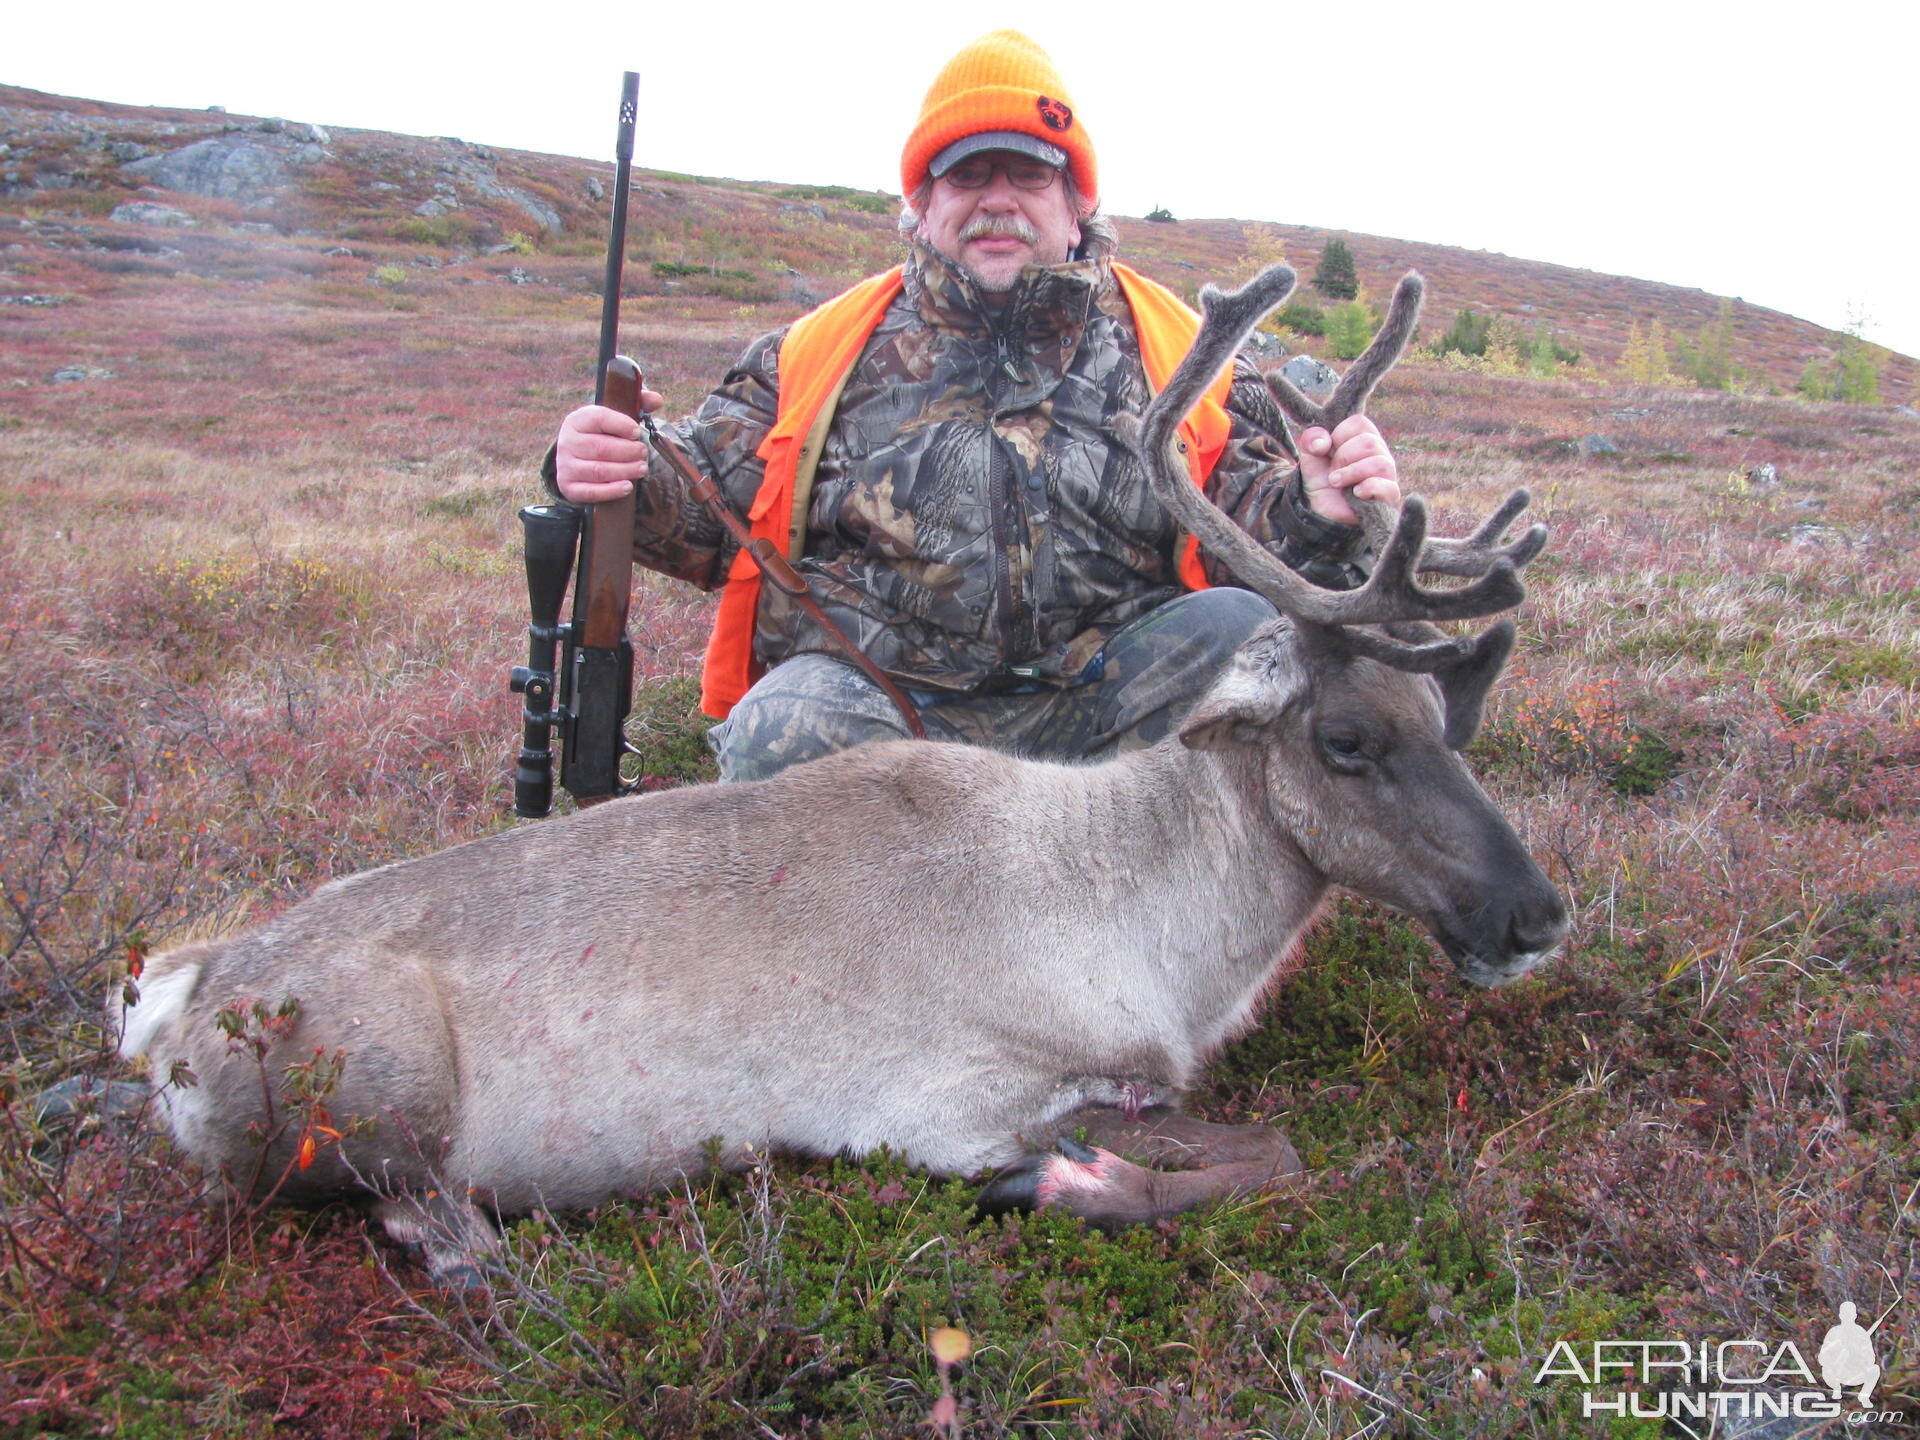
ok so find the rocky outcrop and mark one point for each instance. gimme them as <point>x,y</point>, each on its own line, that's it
<point>143,212</point>
<point>244,166</point>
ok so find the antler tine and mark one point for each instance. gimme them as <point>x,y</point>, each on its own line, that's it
<point>1391,593</point>
<point>1350,395</point>
<point>1477,554</point>
<point>1229,317</point>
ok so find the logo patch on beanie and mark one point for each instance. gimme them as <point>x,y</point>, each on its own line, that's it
<point>1053,114</point>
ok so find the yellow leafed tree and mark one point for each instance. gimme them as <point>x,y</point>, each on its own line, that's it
<point>1644,361</point>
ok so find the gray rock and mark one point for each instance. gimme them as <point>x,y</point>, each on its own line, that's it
<point>1598,445</point>
<point>70,373</point>
<point>69,1110</point>
<point>124,150</point>
<point>1811,534</point>
<point>432,209</point>
<point>37,300</point>
<point>336,250</point>
<point>517,276</point>
<point>1764,474</point>
<point>801,290</point>
<point>1310,377</point>
<point>1907,410</point>
<point>145,212</point>
<point>544,215</point>
<point>595,190</point>
<point>227,167</point>
<point>1265,347</point>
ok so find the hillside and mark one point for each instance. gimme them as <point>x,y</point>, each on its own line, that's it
<point>258,199</point>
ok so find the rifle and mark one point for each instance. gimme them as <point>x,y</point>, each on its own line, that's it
<point>588,695</point>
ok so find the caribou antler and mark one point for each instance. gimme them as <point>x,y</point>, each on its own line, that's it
<point>1478,553</point>
<point>1391,594</point>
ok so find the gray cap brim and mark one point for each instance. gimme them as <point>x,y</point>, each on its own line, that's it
<point>1018,141</point>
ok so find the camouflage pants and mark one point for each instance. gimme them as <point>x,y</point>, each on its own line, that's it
<point>1133,694</point>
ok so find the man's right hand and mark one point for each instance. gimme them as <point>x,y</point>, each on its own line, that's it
<point>601,454</point>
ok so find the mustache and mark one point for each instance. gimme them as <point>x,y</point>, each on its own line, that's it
<point>985,225</point>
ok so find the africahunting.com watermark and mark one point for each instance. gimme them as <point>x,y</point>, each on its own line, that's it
<point>1681,1380</point>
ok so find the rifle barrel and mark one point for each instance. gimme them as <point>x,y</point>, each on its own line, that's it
<point>617,234</point>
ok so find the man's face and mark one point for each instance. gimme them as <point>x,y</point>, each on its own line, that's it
<point>991,230</point>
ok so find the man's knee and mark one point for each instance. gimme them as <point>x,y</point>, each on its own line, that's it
<point>1158,667</point>
<point>806,707</point>
<point>1217,621</point>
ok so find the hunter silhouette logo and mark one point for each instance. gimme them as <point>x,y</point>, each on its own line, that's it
<point>1053,114</point>
<point>1846,1356</point>
<point>1682,1380</point>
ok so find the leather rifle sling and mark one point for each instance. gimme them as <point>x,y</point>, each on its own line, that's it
<point>775,567</point>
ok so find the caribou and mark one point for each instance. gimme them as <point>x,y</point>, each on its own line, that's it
<point>1025,983</point>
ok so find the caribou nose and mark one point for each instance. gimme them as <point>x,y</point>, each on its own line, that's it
<point>1534,930</point>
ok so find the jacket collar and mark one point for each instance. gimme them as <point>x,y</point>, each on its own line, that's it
<point>1047,303</point>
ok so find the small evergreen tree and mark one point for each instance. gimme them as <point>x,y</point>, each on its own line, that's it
<point>1707,359</point>
<point>1856,369</point>
<point>1466,336</point>
<point>1541,355</point>
<point>1853,375</point>
<point>1304,317</point>
<point>1336,278</point>
<point>1349,327</point>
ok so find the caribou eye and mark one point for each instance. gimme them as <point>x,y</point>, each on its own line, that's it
<point>1345,753</point>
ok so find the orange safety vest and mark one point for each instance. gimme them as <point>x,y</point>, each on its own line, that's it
<point>816,357</point>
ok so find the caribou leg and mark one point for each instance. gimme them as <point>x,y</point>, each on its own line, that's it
<point>1162,1136</point>
<point>1102,1187</point>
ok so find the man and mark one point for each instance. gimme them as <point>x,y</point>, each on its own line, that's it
<point>972,525</point>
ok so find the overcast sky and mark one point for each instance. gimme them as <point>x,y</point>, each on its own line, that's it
<point>1760,150</point>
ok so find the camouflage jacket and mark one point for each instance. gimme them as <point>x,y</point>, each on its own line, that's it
<point>971,512</point>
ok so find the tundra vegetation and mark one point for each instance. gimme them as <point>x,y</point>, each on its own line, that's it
<point>258,594</point>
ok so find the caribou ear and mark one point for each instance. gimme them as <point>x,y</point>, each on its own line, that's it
<point>1248,699</point>
<point>1465,685</point>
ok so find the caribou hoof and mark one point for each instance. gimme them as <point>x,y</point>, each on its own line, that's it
<point>1037,1181</point>
<point>457,1274</point>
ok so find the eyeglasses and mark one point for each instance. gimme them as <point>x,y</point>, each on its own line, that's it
<point>1022,174</point>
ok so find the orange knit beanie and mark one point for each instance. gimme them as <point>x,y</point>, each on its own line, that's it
<point>1001,81</point>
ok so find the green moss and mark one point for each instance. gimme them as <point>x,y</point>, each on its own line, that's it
<point>1649,763</point>
<point>668,731</point>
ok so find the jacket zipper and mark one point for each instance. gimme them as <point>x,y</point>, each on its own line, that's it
<point>1021,636</point>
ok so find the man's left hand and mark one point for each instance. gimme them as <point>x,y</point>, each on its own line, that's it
<point>1354,458</point>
